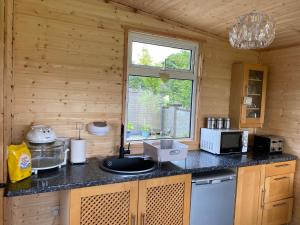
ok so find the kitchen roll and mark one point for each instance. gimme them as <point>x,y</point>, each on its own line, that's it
<point>78,148</point>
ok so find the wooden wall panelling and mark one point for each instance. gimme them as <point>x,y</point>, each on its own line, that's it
<point>68,67</point>
<point>283,106</point>
<point>38,209</point>
<point>2,44</point>
<point>2,47</point>
<point>80,72</point>
<point>8,81</point>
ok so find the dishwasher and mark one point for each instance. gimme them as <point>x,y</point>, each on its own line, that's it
<point>213,198</point>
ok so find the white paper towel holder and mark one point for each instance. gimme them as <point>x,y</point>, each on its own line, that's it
<point>78,147</point>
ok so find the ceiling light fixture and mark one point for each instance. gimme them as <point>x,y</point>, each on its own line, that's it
<point>252,31</point>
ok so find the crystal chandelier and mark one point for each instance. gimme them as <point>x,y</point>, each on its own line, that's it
<point>252,31</point>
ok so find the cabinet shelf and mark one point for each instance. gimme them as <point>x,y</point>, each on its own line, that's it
<point>256,80</point>
<point>254,94</point>
<point>253,108</point>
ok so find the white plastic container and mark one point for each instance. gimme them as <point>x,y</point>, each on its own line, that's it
<point>165,150</point>
<point>98,128</point>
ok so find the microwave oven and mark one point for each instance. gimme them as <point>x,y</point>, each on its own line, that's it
<point>224,141</point>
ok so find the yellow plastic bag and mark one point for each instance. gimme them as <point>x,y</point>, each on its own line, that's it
<point>19,162</point>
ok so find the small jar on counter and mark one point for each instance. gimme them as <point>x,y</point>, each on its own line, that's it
<point>220,123</point>
<point>227,123</point>
<point>209,123</point>
<point>213,123</point>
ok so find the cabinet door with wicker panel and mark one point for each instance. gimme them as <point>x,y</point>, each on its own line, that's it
<point>165,201</point>
<point>113,204</point>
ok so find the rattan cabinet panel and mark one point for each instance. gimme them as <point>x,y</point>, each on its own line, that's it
<point>113,204</point>
<point>159,201</point>
<point>111,208</point>
<point>165,201</point>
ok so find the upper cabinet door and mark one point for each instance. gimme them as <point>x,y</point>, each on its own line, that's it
<point>254,95</point>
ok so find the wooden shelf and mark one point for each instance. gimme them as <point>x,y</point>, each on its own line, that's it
<point>254,94</point>
<point>257,80</point>
<point>253,108</point>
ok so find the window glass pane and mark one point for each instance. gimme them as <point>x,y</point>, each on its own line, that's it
<point>158,109</point>
<point>161,56</point>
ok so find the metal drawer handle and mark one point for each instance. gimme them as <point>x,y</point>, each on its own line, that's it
<point>282,165</point>
<point>132,219</point>
<point>143,219</point>
<point>280,204</point>
<point>281,178</point>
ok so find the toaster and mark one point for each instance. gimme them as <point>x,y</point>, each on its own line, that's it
<point>268,144</point>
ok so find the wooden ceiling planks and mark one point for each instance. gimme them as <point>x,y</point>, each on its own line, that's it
<point>217,16</point>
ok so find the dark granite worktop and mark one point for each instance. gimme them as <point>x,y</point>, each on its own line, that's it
<point>76,176</point>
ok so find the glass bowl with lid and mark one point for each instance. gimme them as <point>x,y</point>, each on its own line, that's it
<point>47,156</point>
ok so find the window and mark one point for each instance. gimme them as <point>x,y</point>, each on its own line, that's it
<point>161,88</point>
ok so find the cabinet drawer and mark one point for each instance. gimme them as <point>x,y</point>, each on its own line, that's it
<point>277,213</point>
<point>280,168</point>
<point>279,187</point>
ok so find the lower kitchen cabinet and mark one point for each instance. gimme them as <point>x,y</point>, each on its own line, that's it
<point>279,187</point>
<point>278,213</point>
<point>248,210</point>
<point>107,204</point>
<point>163,200</point>
<point>265,194</point>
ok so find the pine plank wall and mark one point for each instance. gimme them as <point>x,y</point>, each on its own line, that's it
<point>68,67</point>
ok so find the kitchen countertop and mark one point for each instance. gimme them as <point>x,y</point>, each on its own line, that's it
<point>76,176</point>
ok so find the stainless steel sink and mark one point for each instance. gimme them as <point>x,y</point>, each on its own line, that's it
<point>134,165</point>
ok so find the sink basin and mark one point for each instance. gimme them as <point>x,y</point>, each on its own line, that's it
<point>128,165</point>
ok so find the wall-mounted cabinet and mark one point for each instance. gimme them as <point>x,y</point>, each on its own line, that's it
<point>248,95</point>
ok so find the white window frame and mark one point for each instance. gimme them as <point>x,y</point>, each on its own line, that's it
<point>151,71</point>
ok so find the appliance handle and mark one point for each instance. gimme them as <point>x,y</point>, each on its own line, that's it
<point>213,181</point>
<point>132,219</point>
<point>241,140</point>
<point>143,219</point>
<point>66,156</point>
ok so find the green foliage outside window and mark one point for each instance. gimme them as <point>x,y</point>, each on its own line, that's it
<point>173,91</point>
